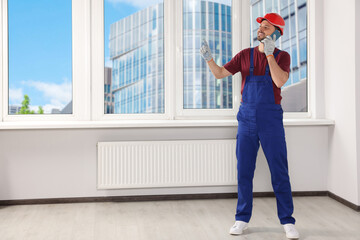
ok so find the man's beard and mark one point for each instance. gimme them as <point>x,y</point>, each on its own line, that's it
<point>261,38</point>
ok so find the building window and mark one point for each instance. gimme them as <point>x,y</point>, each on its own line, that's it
<point>294,41</point>
<point>134,57</point>
<point>40,57</point>
<point>209,20</point>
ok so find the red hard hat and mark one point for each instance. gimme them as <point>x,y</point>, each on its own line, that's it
<point>274,19</point>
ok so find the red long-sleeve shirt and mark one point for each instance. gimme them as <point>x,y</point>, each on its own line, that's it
<point>241,63</point>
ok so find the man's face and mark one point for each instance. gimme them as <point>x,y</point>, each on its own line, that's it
<point>265,29</point>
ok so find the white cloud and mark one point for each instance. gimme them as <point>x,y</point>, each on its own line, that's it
<point>47,108</point>
<point>15,96</point>
<point>34,108</point>
<point>57,94</point>
<point>137,3</point>
<point>60,92</point>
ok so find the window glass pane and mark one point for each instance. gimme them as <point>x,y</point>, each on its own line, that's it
<point>134,56</point>
<point>294,57</point>
<point>303,51</point>
<point>293,27</point>
<point>293,41</point>
<point>257,10</point>
<point>40,57</point>
<point>201,89</point>
<point>268,6</point>
<point>286,34</point>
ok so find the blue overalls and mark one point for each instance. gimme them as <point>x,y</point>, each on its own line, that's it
<point>260,119</point>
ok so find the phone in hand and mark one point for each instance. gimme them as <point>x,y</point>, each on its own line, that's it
<point>276,33</point>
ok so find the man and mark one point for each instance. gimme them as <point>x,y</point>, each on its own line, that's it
<point>264,69</point>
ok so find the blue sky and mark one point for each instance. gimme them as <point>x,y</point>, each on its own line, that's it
<point>40,55</point>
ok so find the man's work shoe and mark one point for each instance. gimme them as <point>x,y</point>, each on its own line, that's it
<point>238,228</point>
<point>291,232</point>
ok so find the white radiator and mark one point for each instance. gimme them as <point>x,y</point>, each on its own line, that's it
<point>147,164</point>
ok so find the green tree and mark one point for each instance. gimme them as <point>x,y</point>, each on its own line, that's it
<point>25,109</point>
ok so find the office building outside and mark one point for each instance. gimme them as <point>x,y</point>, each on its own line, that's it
<point>137,56</point>
<point>108,93</point>
<point>211,21</point>
<point>13,109</point>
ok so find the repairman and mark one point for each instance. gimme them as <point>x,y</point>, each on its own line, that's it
<point>264,70</point>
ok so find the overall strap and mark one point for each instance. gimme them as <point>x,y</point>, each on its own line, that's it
<point>251,61</point>
<point>267,65</point>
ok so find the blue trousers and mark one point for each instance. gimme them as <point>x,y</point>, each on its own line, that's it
<point>262,124</point>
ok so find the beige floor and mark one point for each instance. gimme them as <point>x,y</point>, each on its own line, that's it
<point>317,218</point>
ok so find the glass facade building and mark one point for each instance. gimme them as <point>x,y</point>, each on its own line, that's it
<point>136,46</point>
<point>210,21</point>
<point>108,94</point>
<point>137,53</point>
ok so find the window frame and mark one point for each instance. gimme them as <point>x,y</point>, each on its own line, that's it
<point>310,107</point>
<point>97,66</point>
<point>308,113</point>
<point>80,67</point>
<point>237,43</point>
<point>2,18</point>
<point>88,66</point>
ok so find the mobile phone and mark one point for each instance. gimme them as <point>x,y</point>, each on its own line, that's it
<point>276,33</point>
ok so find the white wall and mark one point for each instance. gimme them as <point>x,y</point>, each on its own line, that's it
<point>340,97</point>
<point>62,163</point>
<point>357,82</point>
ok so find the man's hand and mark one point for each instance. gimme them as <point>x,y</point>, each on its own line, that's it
<point>219,72</point>
<point>269,45</point>
<point>205,51</point>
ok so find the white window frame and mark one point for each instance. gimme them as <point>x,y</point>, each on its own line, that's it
<point>308,114</point>
<point>315,59</point>
<point>3,16</point>
<point>310,109</point>
<point>97,65</point>
<point>173,68</point>
<point>88,65</point>
<point>238,43</point>
<point>80,67</point>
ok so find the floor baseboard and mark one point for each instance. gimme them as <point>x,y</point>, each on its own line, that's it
<point>170,197</point>
<point>343,201</point>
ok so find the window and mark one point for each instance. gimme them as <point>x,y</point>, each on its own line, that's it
<point>151,61</point>
<point>145,64</point>
<point>294,41</point>
<point>209,20</point>
<point>134,57</point>
<point>40,57</point>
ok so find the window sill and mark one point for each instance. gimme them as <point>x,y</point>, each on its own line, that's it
<point>147,124</point>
